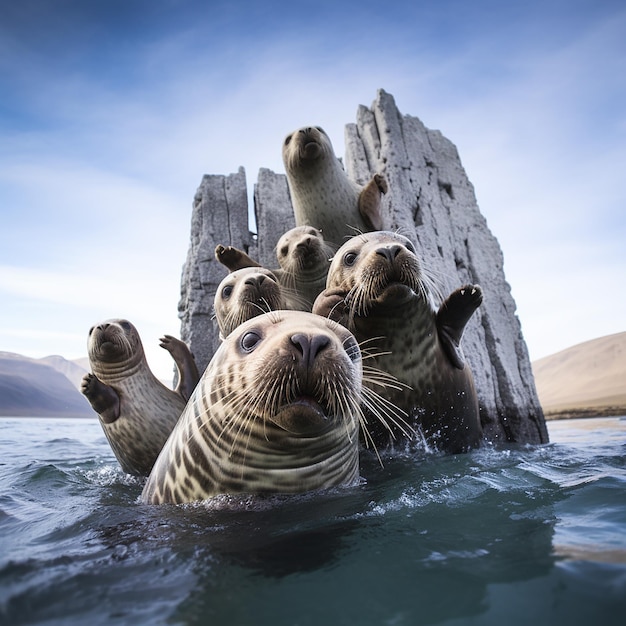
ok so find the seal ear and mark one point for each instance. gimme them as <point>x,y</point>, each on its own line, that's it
<point>452,317</point>
<point>369,202</point>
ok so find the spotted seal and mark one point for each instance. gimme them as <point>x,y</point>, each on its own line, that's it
<point>304,259</point>
<point>276,411</point>
<point>376,288</point>
<point>136,411</point>
<point>322,195</point>
<point>244,294</point>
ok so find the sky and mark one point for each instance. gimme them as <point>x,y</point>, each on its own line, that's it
<point>111,111</point>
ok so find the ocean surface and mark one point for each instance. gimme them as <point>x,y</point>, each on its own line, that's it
<point>503,535</point>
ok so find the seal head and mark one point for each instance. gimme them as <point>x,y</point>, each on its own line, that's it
<point>244,294</point>
<point>377,289</point>
<point>276,411</point>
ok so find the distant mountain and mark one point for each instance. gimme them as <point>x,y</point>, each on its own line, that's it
<point>41,387</point>
<point>586,379</point>
<point>72,370</point>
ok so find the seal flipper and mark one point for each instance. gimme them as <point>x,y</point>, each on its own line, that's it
<point>188,375</point>
<point>331,303</point>
<point>233,258</point>
<point>369,202</point>
<point>103,399</point>
<point>452,317</point>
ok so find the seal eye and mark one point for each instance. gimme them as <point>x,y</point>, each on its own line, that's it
<point>321,130</point>
<point>410,247</point>
<point>227,291</point>
<point>125,325</point>
<point>250,341</point>
<point>287,140</point>
<point>349,258</point>
<point>284,250</point>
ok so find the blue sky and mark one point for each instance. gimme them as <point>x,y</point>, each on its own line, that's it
<point>112,111</point>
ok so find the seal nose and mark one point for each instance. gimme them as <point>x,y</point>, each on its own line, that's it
<point>305,243</point>
<point>309,347</point>
<point>255,281</point>
<point>389,252</point>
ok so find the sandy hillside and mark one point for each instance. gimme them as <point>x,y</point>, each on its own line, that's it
<point>585,377</point>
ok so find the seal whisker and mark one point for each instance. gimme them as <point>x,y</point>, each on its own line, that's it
<point>391,302</point>
<point>381,378</point>
<point>271,413</point>
<point>385,410</point>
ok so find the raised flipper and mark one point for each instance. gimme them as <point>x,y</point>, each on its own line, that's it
<point>452,317</point>
<point>233,258</point>
<point>369,202</point>
<point>188,375</point>
<point>331,303</point>
<point>103,399</point>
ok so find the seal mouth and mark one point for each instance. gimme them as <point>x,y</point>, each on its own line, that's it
<point>311,150</point>
<point>303,416</point>
<point>109,349</point>
<point>396,292</point>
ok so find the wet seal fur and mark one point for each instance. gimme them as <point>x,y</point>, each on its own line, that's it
<point>244,294</point>
<point>136,411</point>
<point>276,411</point>
<point>304,259</point>
<point>322,195</point>
<point>376,288</point>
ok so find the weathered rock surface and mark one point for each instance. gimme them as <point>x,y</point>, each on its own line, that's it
<point>431,201</point>
<point>219,215</point>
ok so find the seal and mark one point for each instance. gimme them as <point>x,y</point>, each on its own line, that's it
<point>377,289</point>
<point>276,411</point>
<point>322,195</point>
<point>244,294</point>
<point>304,259</point>
<point>136,411</point>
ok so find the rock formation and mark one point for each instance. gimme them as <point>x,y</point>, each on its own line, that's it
<point>431,201</point>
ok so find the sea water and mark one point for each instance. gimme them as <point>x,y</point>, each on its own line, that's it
<point>503,535</point>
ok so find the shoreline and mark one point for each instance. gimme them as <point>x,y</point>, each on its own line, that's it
<point>578,413</point>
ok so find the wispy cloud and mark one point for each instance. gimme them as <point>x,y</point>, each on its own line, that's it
<point>101,154</point>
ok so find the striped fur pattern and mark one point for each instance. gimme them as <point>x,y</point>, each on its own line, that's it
<point>276,411</point>
<point>377,289</point>
<point>137,412</point>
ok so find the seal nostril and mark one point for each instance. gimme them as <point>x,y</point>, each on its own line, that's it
<point>301,341</point>
<point>318,343</point>
<point>385,252</point>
